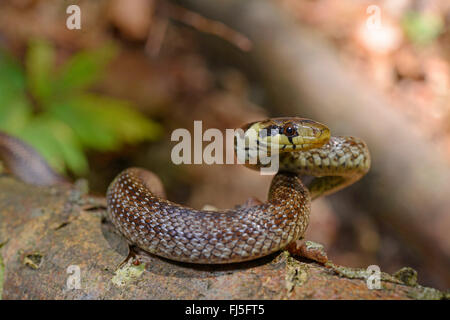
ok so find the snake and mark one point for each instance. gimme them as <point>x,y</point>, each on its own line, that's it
<point>138,208</point>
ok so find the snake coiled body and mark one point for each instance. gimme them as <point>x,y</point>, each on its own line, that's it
<point>138,209</point>
<point>179,233</point>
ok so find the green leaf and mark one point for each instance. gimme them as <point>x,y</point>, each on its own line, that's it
<point>57,143</point>
<point>90,131</point>
<point>84,68</point>
<point>129,125</point>
<point>71,120</point>
<point>37,135</point>
<point>12,79</point>
<point>39,63</point>
<point>422,28</point>
<point>69,147</point>
<point>104,123</point>
<point>15,109</point>
<point>14,114</point>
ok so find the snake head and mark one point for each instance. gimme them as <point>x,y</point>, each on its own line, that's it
<point>289,134</point>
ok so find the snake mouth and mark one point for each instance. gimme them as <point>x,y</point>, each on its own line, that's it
<point>296,147</point>
<point>281,148</point>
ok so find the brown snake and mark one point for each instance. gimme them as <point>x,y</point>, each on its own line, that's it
<point>138,209</point>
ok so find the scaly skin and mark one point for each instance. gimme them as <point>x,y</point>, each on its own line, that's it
<point>339,163</point>
<point>184,234</point>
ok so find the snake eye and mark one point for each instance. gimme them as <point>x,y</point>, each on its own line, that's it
<point>289,130</point>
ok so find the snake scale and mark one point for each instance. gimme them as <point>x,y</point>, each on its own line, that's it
<point>138,209</point>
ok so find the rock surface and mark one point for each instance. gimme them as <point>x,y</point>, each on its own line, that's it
<point>49,235</point>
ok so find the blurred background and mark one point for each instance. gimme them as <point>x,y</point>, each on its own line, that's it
<point>107,96</point>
